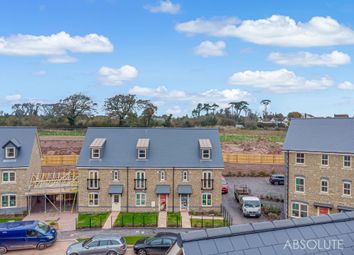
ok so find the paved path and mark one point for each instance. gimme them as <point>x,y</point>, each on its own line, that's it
<point>162,219</point>
<point>66,220</point>
<point>110,220</point>
<point>186,219</point>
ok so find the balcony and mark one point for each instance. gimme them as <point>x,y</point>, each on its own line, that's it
<point>140,184</point>
<point>207,184</point>
<point>93,184</point>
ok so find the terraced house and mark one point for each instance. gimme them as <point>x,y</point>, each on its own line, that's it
<point>19,159</point>
<point>319,166</point>
<point>150,169</point>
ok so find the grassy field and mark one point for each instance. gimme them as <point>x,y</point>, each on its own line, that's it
<point>10,219</point>
<point>136,220</point>
<point>174,219</point>
<point>94,220</point>
<point>58,132</point>
<point>199,223</point>
<point>250,138</point>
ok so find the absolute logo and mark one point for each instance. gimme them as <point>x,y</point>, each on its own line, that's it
<point>315,244</point>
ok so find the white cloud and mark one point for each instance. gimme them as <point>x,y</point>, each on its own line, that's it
<point>40,73</point>
<point>347,85</point>
<point>13,98</point>
<point>308,59</point>
<point>61,59</point>
<point>165,6</point>
<point>159,92</point>
<point>210,49</point>
<point>276,30</point>
<point>54,46</point>
<point>279,81</point>
<point>116,76</point>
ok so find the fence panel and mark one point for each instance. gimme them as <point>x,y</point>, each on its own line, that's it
<point>59,160</point>
<point>275,159</point>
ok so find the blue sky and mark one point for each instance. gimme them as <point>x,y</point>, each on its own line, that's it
<point>178,53</point>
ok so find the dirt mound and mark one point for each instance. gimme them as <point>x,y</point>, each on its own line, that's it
<point>61,145</point>
<point>252,147</point>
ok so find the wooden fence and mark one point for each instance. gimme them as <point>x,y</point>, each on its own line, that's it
<point>59,160</point>
<point>275,159</point>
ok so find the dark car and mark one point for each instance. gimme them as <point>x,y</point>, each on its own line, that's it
<point>156,245</point>
<point>277,179</point>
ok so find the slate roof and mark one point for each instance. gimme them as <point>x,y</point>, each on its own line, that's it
<point>24,137</point>
<point>320,135</point>
<point>269,238</point>
<point>168,147</point>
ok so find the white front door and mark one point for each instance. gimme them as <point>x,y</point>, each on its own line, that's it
<point>115,202</point>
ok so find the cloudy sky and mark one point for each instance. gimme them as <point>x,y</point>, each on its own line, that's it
<point>180,52</point>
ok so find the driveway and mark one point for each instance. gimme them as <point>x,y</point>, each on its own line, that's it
<point>66,220</point>
<point>259,186</point>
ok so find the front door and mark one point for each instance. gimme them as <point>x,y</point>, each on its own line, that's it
<point>163,202</point>
<point>115,202</point>
<point>184,202</point>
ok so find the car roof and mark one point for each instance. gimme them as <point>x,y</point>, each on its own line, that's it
<point>278,175</point>
<point>250,198</point>
<point>18,225</point>
<point>106,236</point>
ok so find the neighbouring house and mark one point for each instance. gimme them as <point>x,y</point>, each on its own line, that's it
<point>19,160</point>
<point>319,166</point>
<point>325,234</point>
<point>150,169</point>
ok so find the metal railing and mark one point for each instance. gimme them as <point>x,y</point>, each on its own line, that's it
<point>93,184</point>
<point>140,184</point>
<point>207,184</point>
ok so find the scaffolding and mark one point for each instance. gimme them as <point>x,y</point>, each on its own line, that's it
<point>58,185</point>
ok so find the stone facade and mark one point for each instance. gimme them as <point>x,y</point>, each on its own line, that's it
<point>313,172</point>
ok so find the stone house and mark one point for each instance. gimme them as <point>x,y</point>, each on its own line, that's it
<point>150,169</point>
<point>319,166</point>
<point>19,159</point>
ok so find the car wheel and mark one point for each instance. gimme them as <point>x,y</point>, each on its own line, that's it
<point>142,252</point>
<point>3,249</point>
<point>111,253</point>
<point>41,246</point>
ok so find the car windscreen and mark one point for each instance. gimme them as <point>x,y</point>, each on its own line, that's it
<point>252,204</point>
<point>42,228</point>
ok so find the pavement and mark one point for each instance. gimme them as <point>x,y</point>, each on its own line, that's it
<point>186,219</point>
<point>110,220</point>
<point>162,223</point>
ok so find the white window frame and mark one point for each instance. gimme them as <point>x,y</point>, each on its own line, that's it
<point>185,175</point>
<point>141,195</point>
<point>207,199</point>
<point>93,199</point>
<point>140,180</point>
<point>95,153</point>
<point>7,149</point>
<point>325,161</point>
<point>208,182</point>
<point>303,178</point>
<point>299,210</point>
<point>162,175</point>
<point>322,186</point>
<point>115,175</point>
<point>9,175</point>
<point>96,174</point>
<point>346,161</point>
<point>205,154</point>
<point>8,200</point>
<point>350,188</point>
<point>297,158</point>
<point>142,153</point>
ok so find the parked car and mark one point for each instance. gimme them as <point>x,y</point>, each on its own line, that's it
<point>156,245</point>
<point>277,179</point>
<point>112,244</point>
<point>250,206</point>
<point>224,185</point>
<point>26,235</point>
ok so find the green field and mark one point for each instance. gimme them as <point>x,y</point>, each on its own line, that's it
<point>136,220</point>
<point>174,219</point>
<point>10,219</point>
<point>199,223</point>
<point>58,132</point>
<point>250,138</point>
<point>95,220</point>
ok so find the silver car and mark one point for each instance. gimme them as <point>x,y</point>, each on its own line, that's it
<point>113,244</point>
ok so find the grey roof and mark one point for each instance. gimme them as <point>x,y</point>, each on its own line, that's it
<point>115,189</point>
<point>162,189</point>
<point>184,189</point>
<point>168,147</point>
<point>23,138</point>
<point>320,135</point>
<point>269,238</point>
<point>14,142</point>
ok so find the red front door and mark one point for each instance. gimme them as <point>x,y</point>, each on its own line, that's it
<point>163,202</point>
<point>323,210</point>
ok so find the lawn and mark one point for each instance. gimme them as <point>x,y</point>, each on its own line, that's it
<point>130,240</point>
<point>10,219</point>
<point>174,219</point>
<point>248,138</point>
<point>199,223</point>
<point>94,220</point>
<point>58,132</point>
<point>136,220</point>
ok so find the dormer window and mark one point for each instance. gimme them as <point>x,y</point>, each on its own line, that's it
<point>11,148</point>
<point>95,153</point>
<point>205,149</point>
<point>10,152</point>
<point>96,147</point>
<point>142,147</point>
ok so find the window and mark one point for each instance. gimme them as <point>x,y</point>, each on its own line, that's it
<point>10,152</point>
<point>93,181</point>
<point>206,199</point>
<point>324,186</point>
<point>115,175</point>
<point>94,244</point>
<point>299,210</point>
<point>347,188</point>
<point>142,154</point>
<point>207,180</point>
<point>324,160</point>
<point>8,200</point>
<point>93,199</point>
<point>156,242</point>
<point>95,153</point>
<point>167,242</point>
<point>300,184</point>
<point>32,233</point>
<point>205,154</point>
<point>8,177</point>
<point>185,176</point>
<point>105,242</point>
<point>347,162</point>
<point>300,158</point>
<point>140,180</point>
<point>162,175</point>
<point>140,199</point>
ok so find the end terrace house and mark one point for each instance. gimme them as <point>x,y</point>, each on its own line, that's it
<point>19,159</point>
<point>150,169</point>
<point>319,166</point>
